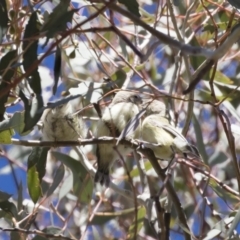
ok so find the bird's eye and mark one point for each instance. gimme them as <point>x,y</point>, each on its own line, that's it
<point>135,97</point>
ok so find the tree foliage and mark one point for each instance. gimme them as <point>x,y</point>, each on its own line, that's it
<point>182,52</point>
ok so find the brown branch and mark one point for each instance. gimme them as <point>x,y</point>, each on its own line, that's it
<point>106,140</point>
<point>37,232</point>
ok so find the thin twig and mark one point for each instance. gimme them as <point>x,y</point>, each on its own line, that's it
<point>37,232</point>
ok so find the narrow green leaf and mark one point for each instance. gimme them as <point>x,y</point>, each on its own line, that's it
<point>38,237</point>
<point>212,234</point>
<point>38,158</point>
<point>135,171</point>
<point>5,136</point>
<point>6,71</point>
<point>101,219</point>
<point>57,69</point>
<point>5,215</point>
<point>66,186</point>
<point>52,230</point>
<point>57,180</point>
<point>217,157</point>
<point>30,46</point>
<point>140,220</point>
<point>235,3</point>
<point>200,143</point>
<point>4,196</point>
<point>34,81</point>
<point>58,19</point>
<point>16,122</point>
<point>3,20</point>
<point>34,186</point>
<point>72,54</point>
<point>17,236</point>
<point>32,112</point>
<point>9,208</point>
<point>82,184</point>
<point>234,224</point>
<point>7,61</point>
<point>36,171</point>
<point>20,197</point>
<point>220,77</point>
<point>132,6</point>
<point>119,75</point>
<point>224,195</point>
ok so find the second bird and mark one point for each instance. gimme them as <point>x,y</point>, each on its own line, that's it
<point>115,117</point>
<point>156,129</point>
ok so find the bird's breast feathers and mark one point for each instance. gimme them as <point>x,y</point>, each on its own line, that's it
<point>120,114</point>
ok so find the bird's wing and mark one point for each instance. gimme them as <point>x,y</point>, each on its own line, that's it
<point>168,128</point>
<point>112,128</point>
<point>179,140</point>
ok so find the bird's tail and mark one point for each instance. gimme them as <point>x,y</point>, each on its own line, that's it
<point>193,151</point>
<point>102,176</point>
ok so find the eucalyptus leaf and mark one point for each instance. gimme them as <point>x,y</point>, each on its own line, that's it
<point>6,136</point>
<point>34,183</point>
<point>132,6</point>
<point>32,114</point>
<point>235,3</point>
<point>38,158</point>
<point>212,234</point>
<point>16,122</point>
<point>9,208</point>
<point>4,196</point>
<point>57,69</point>
<point>200,142</point>
<point>82,184</point>
<point>234,224</point>
<point>3,20</point>
<point>57,20</point>
<point>30,55</point>
<point>221,192</point>
<point>6,72</point>
<point>58,177</point>
<point>67,185</point>
<point>20,197</point>
<point>141,214</point>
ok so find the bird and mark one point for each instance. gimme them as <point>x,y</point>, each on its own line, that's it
<point>124,106</point>
<point>61,124</point>
<point>166,140</point>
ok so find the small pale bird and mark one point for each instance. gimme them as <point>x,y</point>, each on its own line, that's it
<point>157,130</point>
<point>60,124</point>
<point>124,106</point>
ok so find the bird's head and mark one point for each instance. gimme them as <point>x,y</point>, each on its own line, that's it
<point>154,107</point>
<point>124,96</point>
